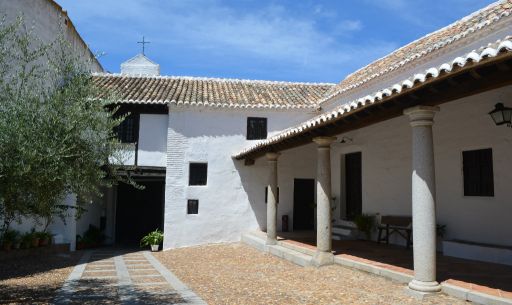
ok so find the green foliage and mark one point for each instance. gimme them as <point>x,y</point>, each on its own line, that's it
<point>365,223</point>
<point>153,238</point>
<point>10,236</point>
<point>441,230</point>
<point>43,235</point>
<point>93,236</point>
<point>56,136</point>
<point>26,240</point>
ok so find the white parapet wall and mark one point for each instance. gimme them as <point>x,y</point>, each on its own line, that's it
<point>479,252</point>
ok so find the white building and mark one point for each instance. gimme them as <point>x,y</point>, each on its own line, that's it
<point>409,134</point>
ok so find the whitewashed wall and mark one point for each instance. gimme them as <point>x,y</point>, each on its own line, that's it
<point>152,140</point>
<point>233,199</point>
<point>48,21</point>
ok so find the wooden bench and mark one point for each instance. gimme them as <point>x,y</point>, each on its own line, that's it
<point>395,224</point>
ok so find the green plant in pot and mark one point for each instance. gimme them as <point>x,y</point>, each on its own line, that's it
<point>17,241</point>
<point>26,240</point>
<point>35,239</point>
<point>9,239</point>
<point>44,238</point>
<point>153,239</point>
<point>366,224</point>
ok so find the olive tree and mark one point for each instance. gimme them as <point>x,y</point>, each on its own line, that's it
<point>56,136</point>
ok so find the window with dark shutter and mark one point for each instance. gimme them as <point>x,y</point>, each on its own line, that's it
<point>198,173</point>
<point>127,131</point>
<point>478,172</point>
<point>256,128</point>
<point>193,206</point>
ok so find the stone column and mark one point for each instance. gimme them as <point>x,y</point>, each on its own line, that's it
<point>423,199</point>
<point>272,199</point>
<point>324,254</point>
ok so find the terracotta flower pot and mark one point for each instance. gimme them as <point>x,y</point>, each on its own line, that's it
<point>7,246</point>
<point>43,242</point>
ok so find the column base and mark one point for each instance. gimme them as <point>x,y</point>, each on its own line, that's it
<point>424,287</point>
<point>271,241</point>
<point>322,258</point>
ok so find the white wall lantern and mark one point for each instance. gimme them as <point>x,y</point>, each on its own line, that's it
<point>501,115</point>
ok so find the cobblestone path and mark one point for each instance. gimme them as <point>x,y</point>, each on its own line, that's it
<point>116,277</point>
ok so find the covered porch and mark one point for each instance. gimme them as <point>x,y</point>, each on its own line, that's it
<point>476,281</point>
<point>408,112</point>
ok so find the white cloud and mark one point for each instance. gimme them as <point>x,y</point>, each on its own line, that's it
<point>269,33</point>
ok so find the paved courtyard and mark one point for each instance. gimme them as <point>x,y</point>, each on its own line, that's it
<point>114,277</point>
<point>224,274</point>
<point>238,274</point>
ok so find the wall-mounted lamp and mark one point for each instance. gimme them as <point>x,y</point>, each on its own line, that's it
<point>346,140</point>
<point>501,115</point>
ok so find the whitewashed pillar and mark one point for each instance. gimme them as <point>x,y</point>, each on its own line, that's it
<point>323,254</point>
<point>272,199</point>
<point>71,221</point>
<point>423,199</point>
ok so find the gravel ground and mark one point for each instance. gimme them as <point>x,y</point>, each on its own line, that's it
<point>229,274</point>
<point>34,279</point>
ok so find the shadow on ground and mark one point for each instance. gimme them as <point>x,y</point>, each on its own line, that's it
<point>480,273</point>
<point>37,279</point>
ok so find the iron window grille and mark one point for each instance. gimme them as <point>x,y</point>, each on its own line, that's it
<point>256,128</point>
<point>198,174</point>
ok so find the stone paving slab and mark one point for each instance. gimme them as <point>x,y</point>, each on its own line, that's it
<point>114,277</point>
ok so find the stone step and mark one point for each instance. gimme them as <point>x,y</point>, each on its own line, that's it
<point>346,223</point>
<point>293,256</point>
<point>254,241</point>
<point>297,248</point>
<point>341,230</point>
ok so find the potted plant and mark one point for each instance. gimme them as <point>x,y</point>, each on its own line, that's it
<point>440,233</point>
<point>26,240</point>
<point>17,241</point>
<point>153,239</point>
<point>34,239</point>
<point>9,239</point>
<point>366,224</point>
<point>44,238</point>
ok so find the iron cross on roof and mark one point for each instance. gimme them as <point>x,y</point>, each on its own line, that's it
<point>143,42</point>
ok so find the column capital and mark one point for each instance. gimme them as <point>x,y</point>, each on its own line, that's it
<point>324,141</point>
<point>272,156</point>
<point>421,115</point>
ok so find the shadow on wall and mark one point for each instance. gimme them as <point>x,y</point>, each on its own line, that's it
<point>254,179</point>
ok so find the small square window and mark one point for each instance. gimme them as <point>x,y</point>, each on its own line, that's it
<point>256,128</point>
<point>478,172</point>
<point>193,206</point>
<point>198,173</point>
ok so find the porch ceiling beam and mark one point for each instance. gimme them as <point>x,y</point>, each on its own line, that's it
<point>448,87</point>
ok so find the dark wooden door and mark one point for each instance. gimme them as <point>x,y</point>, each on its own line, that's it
<point>138,212</point>
<point>353,190</point>
<point>303,204</point>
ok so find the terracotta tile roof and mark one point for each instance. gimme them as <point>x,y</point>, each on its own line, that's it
<point>486,53</point>
<point>214,92</point>
<point>423,46</point>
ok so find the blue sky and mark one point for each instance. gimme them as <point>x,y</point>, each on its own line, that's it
<point>292,40</point>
